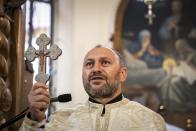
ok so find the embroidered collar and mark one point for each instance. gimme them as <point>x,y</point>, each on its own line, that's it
<point>116,99</point>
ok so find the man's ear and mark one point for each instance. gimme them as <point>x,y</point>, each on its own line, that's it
<point>123,74</point>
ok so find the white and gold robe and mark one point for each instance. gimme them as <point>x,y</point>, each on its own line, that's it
<point>124,115</point>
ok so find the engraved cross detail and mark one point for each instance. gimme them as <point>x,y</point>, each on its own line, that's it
<point>53,52</point>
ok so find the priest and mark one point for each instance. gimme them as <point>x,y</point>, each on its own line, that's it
<point>104,72</point>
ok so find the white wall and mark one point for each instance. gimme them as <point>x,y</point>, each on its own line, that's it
<point>79,26</point>
<point>63,36</point>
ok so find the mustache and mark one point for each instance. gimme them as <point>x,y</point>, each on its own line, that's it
<point>97,75</point>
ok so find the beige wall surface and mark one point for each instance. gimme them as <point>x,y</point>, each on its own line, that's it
<point>79,26</point>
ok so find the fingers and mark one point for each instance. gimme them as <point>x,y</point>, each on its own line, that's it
<point>39,97</point>
<point>39,85</point>
<point>39,105</point>
<point>40,91</point>
<point>39,100</point>
<point>40,88</point>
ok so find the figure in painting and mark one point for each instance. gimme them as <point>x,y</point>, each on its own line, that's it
<point>145,71</point>
<point>176,26</point>
<point>144,50</point>
<point>178,89</point>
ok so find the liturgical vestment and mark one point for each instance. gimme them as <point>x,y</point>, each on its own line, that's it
<point>123,115</point>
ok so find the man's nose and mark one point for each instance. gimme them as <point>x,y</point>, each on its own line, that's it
<point>97,66</point>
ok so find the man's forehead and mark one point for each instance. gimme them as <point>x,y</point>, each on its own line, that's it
<point>101,51</point>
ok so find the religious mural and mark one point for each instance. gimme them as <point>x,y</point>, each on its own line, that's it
<point>161,55</point>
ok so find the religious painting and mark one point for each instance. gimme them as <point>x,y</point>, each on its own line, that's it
<point>160,52</point>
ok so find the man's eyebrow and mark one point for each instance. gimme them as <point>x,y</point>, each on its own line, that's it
<point>101,58</point>
<point>89,59</point>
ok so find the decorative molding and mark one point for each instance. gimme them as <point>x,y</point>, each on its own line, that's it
<point>118,25</point>
<point>5,94</point>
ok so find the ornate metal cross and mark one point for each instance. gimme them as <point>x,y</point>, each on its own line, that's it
<point>53,52</point>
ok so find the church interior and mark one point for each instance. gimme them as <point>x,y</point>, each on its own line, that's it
<point>157,39</point>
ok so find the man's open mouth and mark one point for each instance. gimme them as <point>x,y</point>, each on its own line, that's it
<point>96,77</point>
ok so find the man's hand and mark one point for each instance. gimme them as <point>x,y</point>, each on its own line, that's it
<point>39,100</point>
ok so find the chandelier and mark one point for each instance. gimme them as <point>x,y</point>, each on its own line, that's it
<point>150,15</point>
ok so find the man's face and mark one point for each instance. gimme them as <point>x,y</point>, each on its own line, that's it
<point>102,74</point>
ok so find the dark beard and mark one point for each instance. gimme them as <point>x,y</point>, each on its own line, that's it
<point>107,90</point>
